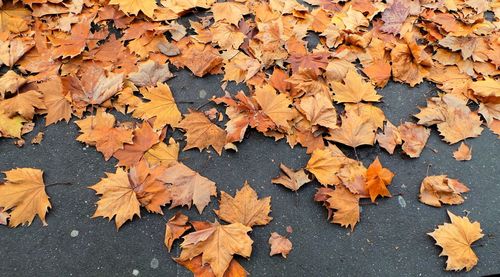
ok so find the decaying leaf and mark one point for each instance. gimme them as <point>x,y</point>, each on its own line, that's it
<point>279,245</point>
<point>175,228</point>
<point>202,133</point>
<point>456,239</point>
<point>244,207</point>
<point>435,190</point>
<point>291,179</point>
<point>414,138</point>
<point>463,153</point>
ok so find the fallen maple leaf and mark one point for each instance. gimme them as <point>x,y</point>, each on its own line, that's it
<point>150,73</point>
<point>319,110</point>
<point>275,105</point>
<point>161,106</point>
<point>291,179</point>
<point>456,239</point>
<point>163,154</point>
<point>175,228</point>
<point>232,12</point>
<point>134,6</point>
<point>10,82</point>
<point>390,138</point>
<point>463,153</point>
<point>486,87</point>
<point>217,245</point>
<point>279,245</point>
<point>395,16</point>
<point>202,133</point>
<point>324,164</point>
<point>354,89</point>
<point>245,207</point>
<point>58,107</point>
<point>414,138</point>
<point>377,180</point>
<point>355,131</point>
<point>144,139</point>
<point>346,205</point>
<point>188,186</point>
<point>435,190</point>
<point>23,104</point>
<point>4,217</point>
<point>199,269</point>
<point>23,194</point>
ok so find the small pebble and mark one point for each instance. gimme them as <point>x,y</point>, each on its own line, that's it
<point>203,93</point>
<point>401,201</point>
<point>135,272</point>
<point>154,263</point>
<point>74,233</point>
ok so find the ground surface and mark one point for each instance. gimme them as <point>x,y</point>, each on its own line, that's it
<point>390,240</point>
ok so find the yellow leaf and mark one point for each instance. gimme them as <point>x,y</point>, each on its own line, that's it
<point>24,194</point>
<point>276,106</point>
<point>202,133</point>
<point>162,107</point>
<point>456,239</point>
<point>354,89</point>
<point>134,6</point>
<point>163,154</point>
<point>232,12</point>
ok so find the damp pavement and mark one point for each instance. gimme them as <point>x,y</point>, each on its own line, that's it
<point>390,239</point>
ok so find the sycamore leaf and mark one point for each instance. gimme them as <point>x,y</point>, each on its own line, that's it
<point>346,205</point>
<point>163,154</point>
<point>354,89</point>
<point>134,6</point>
<point>200,58</point>
<point>23,194</point>
<point>196,266</point>
<point>274,105</point>
<point>244,208</point>
<point>486,87</point>
<point>390,138</point>
<point>118,200</point>
<point>355,131</point>
<point>58,107</point>
<point>75,43</point>
<point>217,245</point>
<point>319,110</point>
<point>144,139</point>
<point>175,228</point>
<point>14,18</point>
<point>232,12</point>
<point>161,106</point>
<point>151,192</point>
<point>456,239</point>
<point>279,245</point>
<point>150,73</point>
<point>395,16</point>
<point>23,104</point>
<point>11,127</point>
<point>10,82</point>
<point>377,180</point>
<point>414,138</point>
<point>100,130</point>
<point>463,153</point>
<point>12,50</point>
<point>202,133</point>
<point>324,164</point>
<point>435,190</point>
<point>291,179</point>
<point>188,187</point>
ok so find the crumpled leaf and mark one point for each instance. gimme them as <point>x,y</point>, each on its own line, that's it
<point>456,239</point>
<point>175,228</point>
<point>291,179</point>
<point>377,180</point>
<point>23,194</point>
<point>275,105</point>
<point>346,205</point>
<point>244,207</point>
<point>463,153</point>
<point>435,190</point>
<point>279,245</point>
<point>150,73</point>
<point>144,139</point>
<point>414,138</point>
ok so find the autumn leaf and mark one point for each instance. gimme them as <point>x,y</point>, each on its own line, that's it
<point>244,207</point>
<point>279,245</point>
<point>161,106</point>
<point>354,89</point>
<point>14,18</point>
<point>163,154</point>
<point>291,179</point>
<point>414,138</point>
<point>274,105</point>
<point>324,164</point>
<point>73,45</point>
<point>390,138</point>
<point>144,139</point>
<point>456,239</point>
<point>435,190</point>
<point>175,228</point>
<point>196,266</point>
<point>11,127</point>
<point>10,82</point>
<point>395,16</point>
<point>355,131</point>
<point>202,133</point>
<point>118,199</point>
<point>486,87</point>
<point>134,6</point>
<point>232,12</point>
<point>24,104</point>
<point>12,50</point>
<point>217,245</point>
<point>58,107</point>
<point>463,153</point>
<point>23,195</point>
<point>4,217</point>
<point>377,180</point>
<point>319,110</point>
<point>188,187</point>
<point>346,205</point>
<point>150,73</point>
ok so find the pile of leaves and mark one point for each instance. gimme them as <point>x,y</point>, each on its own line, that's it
<point>88,59</point>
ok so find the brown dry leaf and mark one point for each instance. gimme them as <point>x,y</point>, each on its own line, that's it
<point>414,138</point>
<point>201,59</point>
<point>11,127</point>
<point>188,187</point>
<point>4,217</point>
<point>24,104</point>
<point>231,12</point>
<point>73,44</point>
<point>12,50</point>
<point>58,107</point>
<point>354,89</point>
<point>395,16</point>
<point>456,239</point>
<point>163,154</point>
<point>435,190</point>
<point>151,193</point>
<point>150,73</point>
<point>14,18</point>
<point>346,205</point>
<point>175,228</point>
<point>199,269</point>
<point>10,82</point>
<point>275,105</point>
<point>201,133</point>
<point>161,106</point>
<point>486,87</point>
<point>100,130</point>
<point>355,131</point>
<point>390,138</point>
<point>132,7</point>
<point>118,199</point>
<point>217,245</point>
<point>319,110</point>
<point>23,195</point>
<point>463,153</point>
<point>144,139</point>
<point>241,68</point>
<point>279,245</point>
<point>377,180</point>
<point>324,164</point>
<point>244,207</point>
<point>410,62</point>
<point>291,179</point>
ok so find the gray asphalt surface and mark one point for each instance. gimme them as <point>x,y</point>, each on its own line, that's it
<point>390,240</point>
